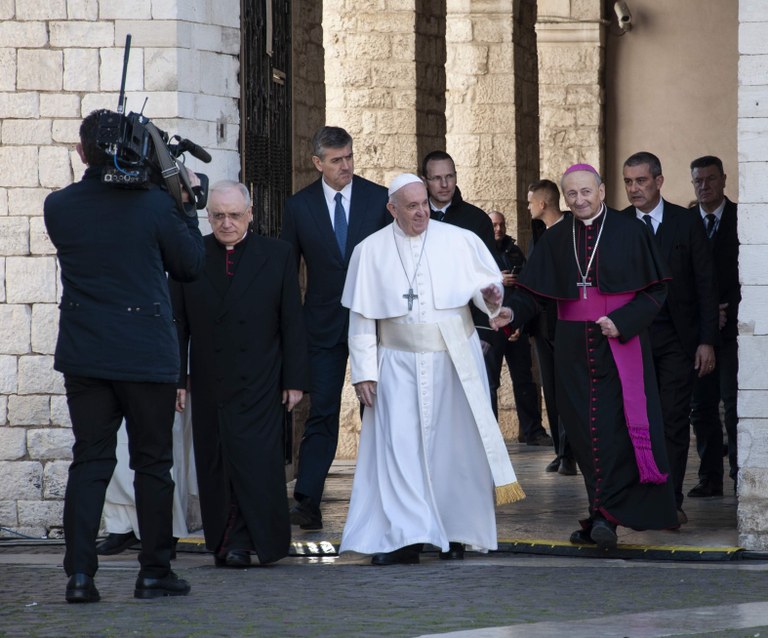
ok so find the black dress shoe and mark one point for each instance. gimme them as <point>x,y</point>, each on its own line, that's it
<point>408,555</point>
<point>234,558</point>
<point>81,589</point>
<point>306,516</point>
<point>581,537</point>
<point>705,489</point>
<point>541,439</point>
<point>455,552</point>
<point>553,466</point>
<point>116,543</point>
<point>603,534</point>
<point>567,467</point>
<point>168,585</point>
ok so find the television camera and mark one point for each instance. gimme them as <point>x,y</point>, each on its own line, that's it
<point>143,154</point>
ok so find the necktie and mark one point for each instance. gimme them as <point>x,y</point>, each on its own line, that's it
<point>340,225</point>
<point>439,215</point>
<point>649,222</point>
<point>711,219</point>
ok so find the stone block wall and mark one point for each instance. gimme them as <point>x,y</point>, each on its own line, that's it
<point>61,59</point>
<point>753,259</point>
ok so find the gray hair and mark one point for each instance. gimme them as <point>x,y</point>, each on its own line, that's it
<point>228,185</point>
<point>330,137</point>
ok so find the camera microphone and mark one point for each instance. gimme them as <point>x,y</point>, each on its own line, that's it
<point>189,146</point>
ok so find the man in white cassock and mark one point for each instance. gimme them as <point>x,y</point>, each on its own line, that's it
<point>431,456</point>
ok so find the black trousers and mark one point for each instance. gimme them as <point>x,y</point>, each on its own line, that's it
<point>545,354</point>
<point>321,431</point>
<point>518,357</point>
<point>675,376</point>
<point>709,390</point>
<point>96,408</point>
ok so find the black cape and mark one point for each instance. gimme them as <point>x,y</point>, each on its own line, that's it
<point>589,395</point>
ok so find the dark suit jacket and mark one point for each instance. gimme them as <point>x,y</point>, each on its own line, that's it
<point>307,227</point>
<point>725,254</point>
<point>691,295</point>
<point>114,247</point>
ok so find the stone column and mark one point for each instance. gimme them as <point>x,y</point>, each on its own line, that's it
<point>571,52</point>
<point>491,108</point>
<point>753,259</point>
<point>383,80</point>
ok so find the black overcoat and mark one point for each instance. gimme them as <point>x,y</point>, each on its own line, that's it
<point>247,343</point>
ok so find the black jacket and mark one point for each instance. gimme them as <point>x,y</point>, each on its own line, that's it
<point>725,255</point>
<point>114,248</point>
<point>691,293</point>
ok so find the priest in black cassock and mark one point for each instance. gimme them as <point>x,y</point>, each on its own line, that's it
<point>243,324</point>
<point>607,277</point>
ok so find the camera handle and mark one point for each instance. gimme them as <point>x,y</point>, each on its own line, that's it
<point>175,178</point>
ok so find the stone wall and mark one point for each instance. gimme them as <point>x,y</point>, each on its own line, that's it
<point>60,60</point>
<point>753,259</point>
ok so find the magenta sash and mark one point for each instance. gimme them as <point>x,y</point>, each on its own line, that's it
<point>629,362</point>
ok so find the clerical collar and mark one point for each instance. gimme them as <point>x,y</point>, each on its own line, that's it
<point>588,222</point>
<point>233,246</point>
<point>718,212</point>
<point>657,214</point>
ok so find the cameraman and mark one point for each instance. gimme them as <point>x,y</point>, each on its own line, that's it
<point>118,351</point>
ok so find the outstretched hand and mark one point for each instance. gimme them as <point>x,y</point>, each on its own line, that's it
<point>504,317</point>
<point>492,295</point>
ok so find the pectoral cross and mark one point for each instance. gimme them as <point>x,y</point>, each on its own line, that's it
<point>584,284</point>
<point>410,297</point>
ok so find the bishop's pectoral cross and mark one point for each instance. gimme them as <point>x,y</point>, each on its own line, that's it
<point>410,296</point>
<point>584,284</point>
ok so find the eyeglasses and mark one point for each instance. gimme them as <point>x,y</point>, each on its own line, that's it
<point>450,177</point>
<point>220,217</point>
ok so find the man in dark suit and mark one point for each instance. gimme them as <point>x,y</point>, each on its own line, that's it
<point>324,222</point>
<point>248,353</point>
<point>118,351</point>
<point>719,216</point>
<point>684,332</point>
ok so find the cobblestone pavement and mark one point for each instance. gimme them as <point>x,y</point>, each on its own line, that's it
<point>534,588</point>
<point>346,597</point>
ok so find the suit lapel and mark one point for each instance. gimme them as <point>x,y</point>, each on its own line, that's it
<point>318,211</point>
<point>669,224</point>
<point>357,209</point>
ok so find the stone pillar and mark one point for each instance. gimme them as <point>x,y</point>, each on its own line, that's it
<point>60,60</point>
<point>481,101</point>
<point>753,259</point>
<point>571,53</point>
<point>382,85</point>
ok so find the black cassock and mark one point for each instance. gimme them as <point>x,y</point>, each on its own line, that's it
<point>589,394</point>
<point>247,343</point>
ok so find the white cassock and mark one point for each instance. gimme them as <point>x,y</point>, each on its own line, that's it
<point>120,503</point>
<point>430,448</point>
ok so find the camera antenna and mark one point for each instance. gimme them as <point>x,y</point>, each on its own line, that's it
<point>121,98</point>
